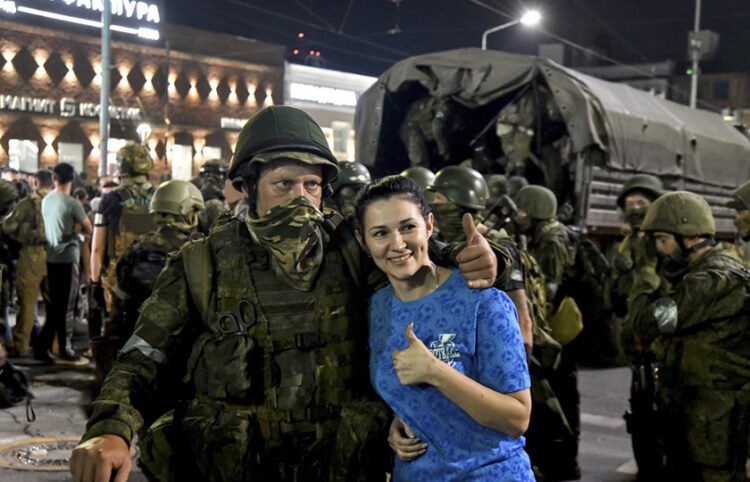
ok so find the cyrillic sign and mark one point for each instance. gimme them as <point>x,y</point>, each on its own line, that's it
<point>67,107</point>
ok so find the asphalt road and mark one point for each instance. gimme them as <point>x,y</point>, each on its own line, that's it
<point>62,393</point>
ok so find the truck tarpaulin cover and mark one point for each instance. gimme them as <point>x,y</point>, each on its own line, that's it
<point>641,132</point>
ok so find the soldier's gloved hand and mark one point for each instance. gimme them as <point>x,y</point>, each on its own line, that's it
<point>403,441</point>
<point>97,459</point>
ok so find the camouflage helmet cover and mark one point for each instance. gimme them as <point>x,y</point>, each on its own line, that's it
<point>282,132</point>
<point>680,212</point>
<point>462,186</point>
<point>537,202</point>
<point>351,173</point>
<point>740,198</point>
<point>177,197</point>
<point>133,159</point>
<point>650,186</point>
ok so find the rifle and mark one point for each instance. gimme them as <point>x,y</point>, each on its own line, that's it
<point>642,418</point>
<point>500,212</point>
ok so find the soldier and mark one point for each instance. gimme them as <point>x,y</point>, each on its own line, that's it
<point>8,197</point>
<point>212,180</point>
<point>264,323</point>
<point>430,124</point>
<point>554,247</point>
<point>740,202</point>
<point>692,294</point>
<point>423,177</point>
<point>459,190</point>
<point>353,177</point>
<point>176,205</point>
<point>637,194</point>
<point>122,216</point>
<point>633,200</point>
<point>26,226</point>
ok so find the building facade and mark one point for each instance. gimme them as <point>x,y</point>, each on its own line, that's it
<point>183,95</point>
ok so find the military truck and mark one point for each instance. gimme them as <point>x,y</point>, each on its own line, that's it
<point>579,135</point>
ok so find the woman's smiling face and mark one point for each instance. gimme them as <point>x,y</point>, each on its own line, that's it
<point>397,235</point>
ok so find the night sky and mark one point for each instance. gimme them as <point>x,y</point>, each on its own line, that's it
<point>368,36</point>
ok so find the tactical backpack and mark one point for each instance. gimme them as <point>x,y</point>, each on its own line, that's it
<point>140,273</point>
<point>135,219</point>
<point>14,388</point>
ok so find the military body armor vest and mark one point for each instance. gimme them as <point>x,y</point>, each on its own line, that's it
<point>281,361</point>
<point>135,219</point>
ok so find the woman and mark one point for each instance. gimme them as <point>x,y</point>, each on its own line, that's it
<point>449,360</point>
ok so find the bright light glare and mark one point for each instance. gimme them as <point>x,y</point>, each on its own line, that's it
<point>531,18</point>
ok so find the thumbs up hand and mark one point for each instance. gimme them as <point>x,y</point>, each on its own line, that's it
<point>476,261</point>
<point>416,364</point>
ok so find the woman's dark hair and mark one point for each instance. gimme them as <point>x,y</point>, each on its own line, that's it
<point>388,187</point>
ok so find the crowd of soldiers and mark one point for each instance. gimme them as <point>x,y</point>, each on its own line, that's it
<point>244,359</point>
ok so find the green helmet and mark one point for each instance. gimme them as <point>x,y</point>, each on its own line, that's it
<point>177,197</point>
<point>421,175</point>
<point>740,198</point>
<point>680,212</point>
<point>515,184</point>
<point>498,185</point>
<point>463,186</point>
<point>8,196</point>
<point>133,160</point>
<point>278,132</point>
<point>214,166</point>
<point>537,202</point>
<point>351,173</point>
<point>646,184</point>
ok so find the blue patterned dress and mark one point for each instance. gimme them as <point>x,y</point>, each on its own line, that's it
<point>477,333</point>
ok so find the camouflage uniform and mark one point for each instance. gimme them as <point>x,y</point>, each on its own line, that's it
<point>211,182</point>
<point>553,246</point>
<point>351,180</point>
<point>8,197</point>
<point>700,313</point>
<point>176,206</point>
<point>623,259</point>
<point>274,379</point>
<point>124,211</point>
<point>26,226</point>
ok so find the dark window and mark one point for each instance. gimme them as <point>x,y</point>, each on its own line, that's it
<point>721,89</point>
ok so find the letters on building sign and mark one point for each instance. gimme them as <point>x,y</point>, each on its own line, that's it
<point>232,123</point>
<point>132,9</point>
<point>68,108</point>
<point>27,104</point>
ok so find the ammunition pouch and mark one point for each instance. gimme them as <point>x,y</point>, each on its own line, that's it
<point>566,322</point>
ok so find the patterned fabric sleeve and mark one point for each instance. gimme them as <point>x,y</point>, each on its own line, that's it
<point>501,358</point>
<point>130,388</point>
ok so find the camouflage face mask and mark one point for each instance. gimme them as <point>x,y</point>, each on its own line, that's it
<point>634,217</point>
<point>448,221</point>
<point>291,233</point>
<point>743,226</point>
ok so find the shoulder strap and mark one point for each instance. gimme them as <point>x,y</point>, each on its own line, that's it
<point>198,267</point>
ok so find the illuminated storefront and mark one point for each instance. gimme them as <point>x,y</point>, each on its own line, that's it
<point>330,97</point>
<point>172,86</point>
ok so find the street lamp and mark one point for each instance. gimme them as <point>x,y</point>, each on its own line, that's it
<point>530,18</point>
<point>143,130</point>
